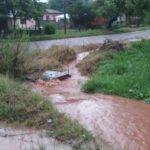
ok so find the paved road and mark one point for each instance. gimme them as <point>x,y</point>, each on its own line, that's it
<point>41,45</point>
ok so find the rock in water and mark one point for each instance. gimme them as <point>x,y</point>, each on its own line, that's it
<point>50,75</point>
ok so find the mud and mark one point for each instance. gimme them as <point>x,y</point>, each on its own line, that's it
<point>25,139</point>
<point>119,123</point>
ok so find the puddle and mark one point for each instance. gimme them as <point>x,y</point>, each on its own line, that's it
<point>121,123</point>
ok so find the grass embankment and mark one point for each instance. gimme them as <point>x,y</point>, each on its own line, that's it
<point>83,33</point>
<point>125,73</point>
<point>20,106</point>
<point>17,61</point>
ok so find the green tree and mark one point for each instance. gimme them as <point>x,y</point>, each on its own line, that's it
<point>3,16</point>
<point>58,4</point>
<point>82,14</point>
<point>37,11</point>
<point>137,9</point>
<point>110,10</point>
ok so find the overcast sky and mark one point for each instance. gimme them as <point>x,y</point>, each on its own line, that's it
<point>43,0</point>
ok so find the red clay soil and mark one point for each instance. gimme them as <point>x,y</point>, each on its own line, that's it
<point>119,123</point>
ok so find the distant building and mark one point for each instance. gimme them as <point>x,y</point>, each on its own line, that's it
<point>22,24</point>
<point>99,22</point>
<point>51,14</point>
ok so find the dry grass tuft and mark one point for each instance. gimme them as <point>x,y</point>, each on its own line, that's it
<point>112,45</point>
<point>89,64</point>
<point>52,59</point>
<point>42,64</point>
<point>89,47</point>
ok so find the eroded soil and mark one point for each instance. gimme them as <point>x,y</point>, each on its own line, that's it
<point>119,123</point>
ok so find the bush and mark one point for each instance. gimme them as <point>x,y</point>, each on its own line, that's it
<point>49,29</point>
<point>147,18</point>
<point>13,56</point>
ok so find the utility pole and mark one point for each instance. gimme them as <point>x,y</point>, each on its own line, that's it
<point>65,20</point>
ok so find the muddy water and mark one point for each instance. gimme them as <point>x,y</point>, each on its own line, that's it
<point>119,123</point>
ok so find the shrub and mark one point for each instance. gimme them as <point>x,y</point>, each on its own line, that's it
<point>13,56</point>
<point>147,17</point>
<point>49,29</point>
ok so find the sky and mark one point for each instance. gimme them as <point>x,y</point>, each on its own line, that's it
<point>43,0</point>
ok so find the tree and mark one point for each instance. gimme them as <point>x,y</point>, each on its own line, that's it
<point>58,4</point>
<point>37,11</point>
<point>82,14</point>
<point>3,16</point>
<point>137,9</point>
<point>110,10</point>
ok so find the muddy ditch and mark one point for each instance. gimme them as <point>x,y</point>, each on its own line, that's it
<point>116,122</point>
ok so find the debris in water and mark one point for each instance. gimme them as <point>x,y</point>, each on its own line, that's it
<point>49,83</point>
<point>82,55</point>
<point>50,75</point>
<point>50,121</point>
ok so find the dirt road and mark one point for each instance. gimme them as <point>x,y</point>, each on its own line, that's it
<point>42,45</point>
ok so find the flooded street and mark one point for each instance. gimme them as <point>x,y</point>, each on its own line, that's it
<point>119,123</point>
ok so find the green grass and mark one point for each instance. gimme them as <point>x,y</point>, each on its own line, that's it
<point>19,106</point>
<point>83,33</point>
<point>125,73</point>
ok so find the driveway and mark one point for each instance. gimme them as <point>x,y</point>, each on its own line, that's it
<point>132,36</point>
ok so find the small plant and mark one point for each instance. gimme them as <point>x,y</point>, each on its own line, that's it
<point>49,29</point>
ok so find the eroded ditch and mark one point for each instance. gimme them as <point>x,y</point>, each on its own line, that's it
<point>118,123</point>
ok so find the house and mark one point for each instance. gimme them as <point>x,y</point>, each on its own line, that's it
<point>99,22</point>
<point>50,15</point>
<point>20,24</point>
<point>60,21</point>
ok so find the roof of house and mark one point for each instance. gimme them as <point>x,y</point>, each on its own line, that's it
<point>52,11</point>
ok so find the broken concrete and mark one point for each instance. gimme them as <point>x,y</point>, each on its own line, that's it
<point>51,75</point>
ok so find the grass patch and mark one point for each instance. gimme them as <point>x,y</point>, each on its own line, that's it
<point>89,64</point>
<point>125,73</point>
<point>20,106</point>
<point>90,32</point>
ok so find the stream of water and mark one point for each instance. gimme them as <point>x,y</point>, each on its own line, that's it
<point>119,123</point>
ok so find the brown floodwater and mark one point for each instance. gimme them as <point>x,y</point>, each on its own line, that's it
<point>119,123</point>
